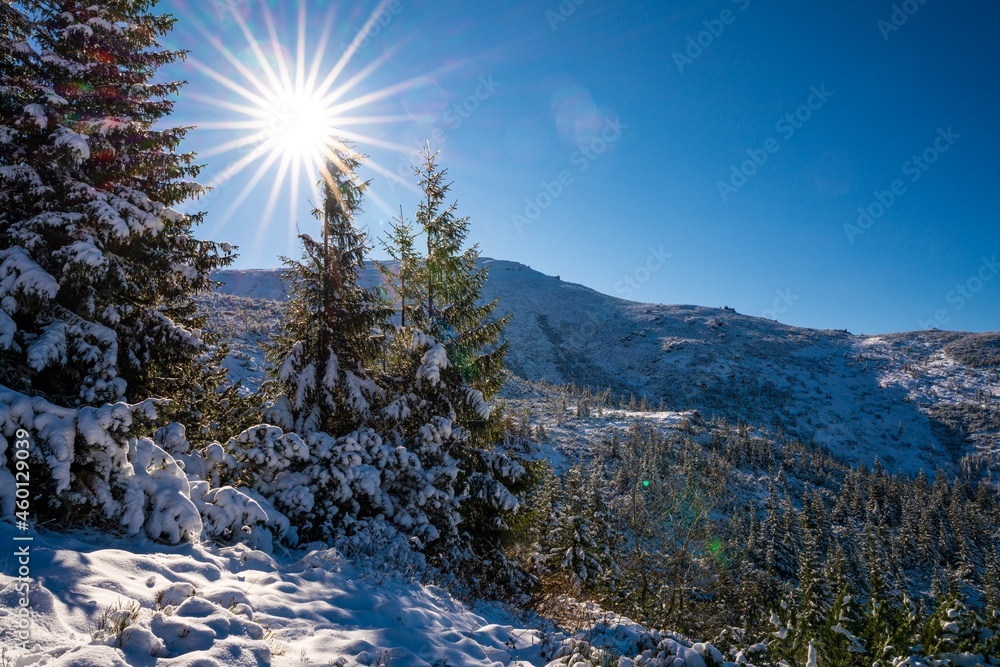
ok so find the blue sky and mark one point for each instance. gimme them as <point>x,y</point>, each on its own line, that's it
<point>716,152</point>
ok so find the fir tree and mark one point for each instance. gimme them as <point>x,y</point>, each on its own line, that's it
<point>97,272</point>
<point>329,340</point>
<point>408,288</point>
<point>451,345</point>
<point>454,313</point>
<point>575,543</point>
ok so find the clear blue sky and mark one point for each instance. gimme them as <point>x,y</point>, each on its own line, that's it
<point>650,130</point>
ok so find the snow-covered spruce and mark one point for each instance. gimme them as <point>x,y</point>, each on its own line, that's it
<point>97,270</point>
<point>88,468</point>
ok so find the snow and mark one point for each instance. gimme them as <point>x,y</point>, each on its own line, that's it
<point>81,28</point>
<point>49,348</point>
<point>84,253</point>
<point>37,114</point>
<point>104,24</point>
<point>861,396</point>
<point>106,125</point>
<point>22,47</point>
<point>432,363</point>
<point>54,99</point>
<point>19,274</point>
<point>7,330</point>
<point>811,660</point>
<point>200,605</point>
<point>99,600</point>
<point>475,398</point>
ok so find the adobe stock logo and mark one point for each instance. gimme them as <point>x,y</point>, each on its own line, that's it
<point>901,13</point>
<point>565,9</point>
<point>786,126</point>
<point>781,304</point>
<point>582,158</point>
<point>964,292</point>
<point>633,282</point>
<point>915,168</point>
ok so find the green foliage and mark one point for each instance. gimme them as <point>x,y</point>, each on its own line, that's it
<point>329,344</point>
<point>87,204</point>
<point>826,562</point>
<point>439,293</point>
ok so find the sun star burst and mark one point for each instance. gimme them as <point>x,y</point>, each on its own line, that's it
<point>292,113</point>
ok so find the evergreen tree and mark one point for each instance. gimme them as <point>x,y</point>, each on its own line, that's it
<point>405,280</point>
<point>575,543</point>
<point>811,603</point>
<point>453,312</point>
<point>97,272</point>
<point>330,333</point>
<point>451,345</point>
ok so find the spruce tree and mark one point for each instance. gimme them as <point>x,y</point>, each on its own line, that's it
<point>407,286</point>
<point>330,337</point>
<point>454,313</point>
<point>450,344</point>
<point>97,271</point>
<point>574,545</point>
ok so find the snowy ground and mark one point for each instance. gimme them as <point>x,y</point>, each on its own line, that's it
<point>205,606</point>
<point>103,602</point>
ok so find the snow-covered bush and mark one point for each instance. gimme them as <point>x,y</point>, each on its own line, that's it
<point>322,483</point>
<point>381,552</point>
<point>80,458</point>
<point>238,515</point>
<point>91,469</point>
<point>169,514</point>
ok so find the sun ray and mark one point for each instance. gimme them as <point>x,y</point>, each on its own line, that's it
<point>392,176</point>
<point>293,202</point>
<point>247,189</point>
<point>373,141</point>
<point>300,49</point>
<point>229,83</point>
<point>262,60</point>
<point>355,79</point>
<point>227,125</point>
<point>279,56</point>
<point>374,96</point>
<point>232,170</point>
<point>235,62</point>
<point>272,198</point>
<point>373,120</point>
<point>235,144</point>
<point>293,115</point>
<point>352,48</point>
<point>317,59</point>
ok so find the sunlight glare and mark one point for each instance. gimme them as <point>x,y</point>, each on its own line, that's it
<point>288,116</point>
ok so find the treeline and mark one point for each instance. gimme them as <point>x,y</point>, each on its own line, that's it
<point>773,550</point>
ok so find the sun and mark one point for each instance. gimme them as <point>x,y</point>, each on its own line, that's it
<point>300,126</point>
<point>291,112</point>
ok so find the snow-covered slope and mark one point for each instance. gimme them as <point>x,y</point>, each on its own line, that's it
<point>102,602</point>
<point>917,400</point>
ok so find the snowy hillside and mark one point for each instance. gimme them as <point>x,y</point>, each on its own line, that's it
<point>917,400</point>
<point>99,601</point>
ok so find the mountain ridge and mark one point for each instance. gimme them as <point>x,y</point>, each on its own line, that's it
<point>917,400</point>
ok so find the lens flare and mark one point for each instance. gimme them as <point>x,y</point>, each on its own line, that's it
<point>291,111</point>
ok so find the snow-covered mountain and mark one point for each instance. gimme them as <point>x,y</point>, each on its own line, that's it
<point>917,400</point>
